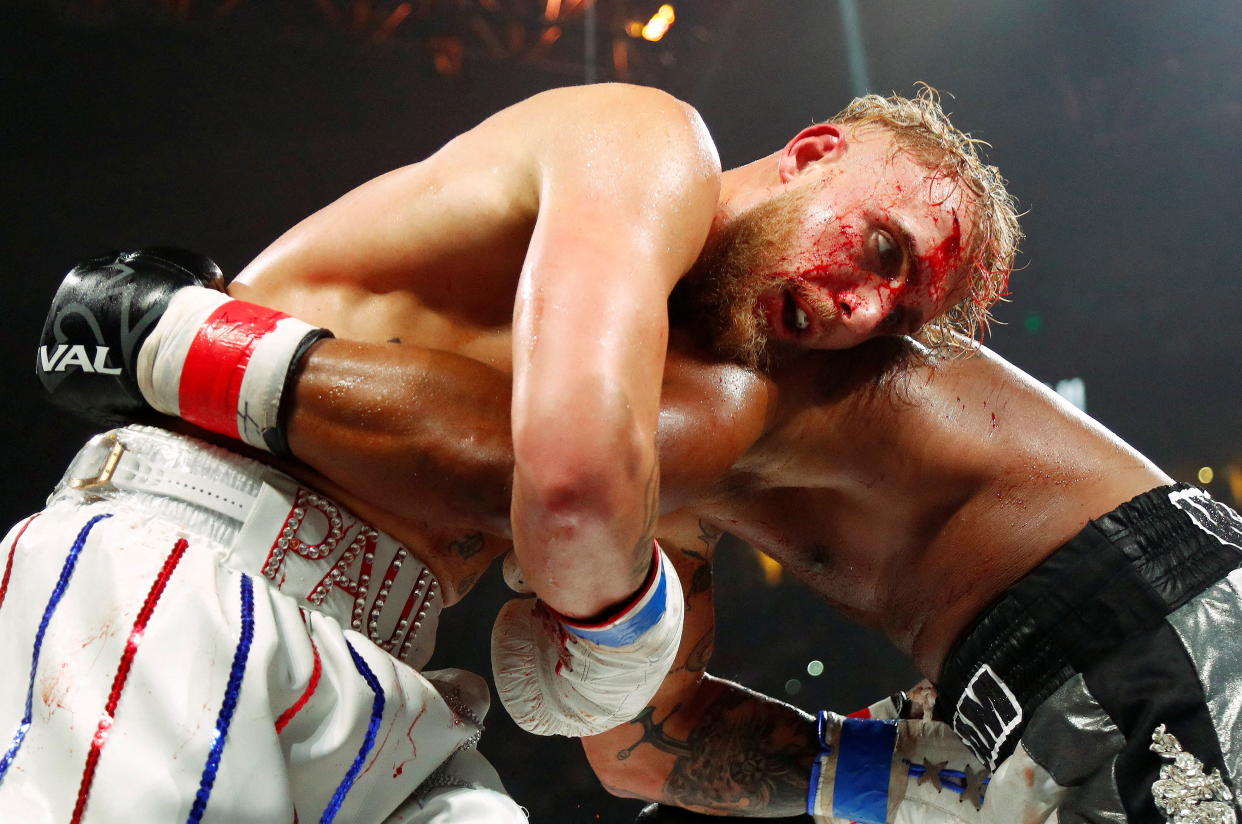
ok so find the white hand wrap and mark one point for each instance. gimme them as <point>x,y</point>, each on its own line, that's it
<point>894,771</point>
<point>560,677</point>
<point>223,364</point>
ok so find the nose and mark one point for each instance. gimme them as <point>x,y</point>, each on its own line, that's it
<point>860,311</point>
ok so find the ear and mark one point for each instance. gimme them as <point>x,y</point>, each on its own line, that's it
<point>820,141</point>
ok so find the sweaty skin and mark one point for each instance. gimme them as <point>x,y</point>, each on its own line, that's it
<point>544,244</point>
<point>908,493</point>
<point>413,416</point>
<point>533,222</point>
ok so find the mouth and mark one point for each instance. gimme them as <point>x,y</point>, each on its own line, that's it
<point>793,315</point>
<point>787,316</point>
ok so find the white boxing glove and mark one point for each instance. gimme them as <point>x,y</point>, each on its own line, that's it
<point>556,676</point>
<point>894,771</point>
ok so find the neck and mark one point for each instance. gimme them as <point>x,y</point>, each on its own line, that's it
<point>744,187</point>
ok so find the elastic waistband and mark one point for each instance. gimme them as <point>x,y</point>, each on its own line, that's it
<point>264,523</point>
<point>205,489</point>
<point>1120,576</point>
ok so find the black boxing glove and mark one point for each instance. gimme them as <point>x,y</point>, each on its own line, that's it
<point>132,332</point>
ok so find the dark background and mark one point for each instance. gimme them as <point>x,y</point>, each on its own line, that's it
<point>217,125</point>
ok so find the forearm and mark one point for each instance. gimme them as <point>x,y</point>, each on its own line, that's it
<point>421,433</point>
<point>586,483</point>
<point>426,434</point>
<point>725,749</point>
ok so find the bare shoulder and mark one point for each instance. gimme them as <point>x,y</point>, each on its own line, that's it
<point>609,126</point>
<point>633,110</point>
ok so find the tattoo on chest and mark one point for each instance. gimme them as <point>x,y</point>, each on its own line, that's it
<point>467,546</point>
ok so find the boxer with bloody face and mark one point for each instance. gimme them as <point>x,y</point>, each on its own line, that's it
<point>519,278</point>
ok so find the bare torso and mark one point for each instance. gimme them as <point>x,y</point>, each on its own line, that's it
<point>435,254</point>
<point>911,505</point>
<point>907,509</point>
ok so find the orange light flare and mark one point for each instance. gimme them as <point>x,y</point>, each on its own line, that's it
<point>447,54</point>
<point>770,567</point>
<point>361,13</point>
<point>655,28</point>
<point>552,10</point>
<point>393,20</point>
<point>550,35</point>
<point>621,58</point>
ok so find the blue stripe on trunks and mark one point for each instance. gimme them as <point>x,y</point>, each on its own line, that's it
<point>66,571</point>
<point>377,714</point>
<point>231,692</point>
<point>864,762</point>
<point>629,630</point>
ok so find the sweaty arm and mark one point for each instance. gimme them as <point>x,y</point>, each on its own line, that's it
<point>627,192</point>
<point>712,746</point>
<point>426,436</point>
<point>704,743</point>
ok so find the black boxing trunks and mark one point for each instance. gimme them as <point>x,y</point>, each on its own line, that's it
<point>1107,683</point>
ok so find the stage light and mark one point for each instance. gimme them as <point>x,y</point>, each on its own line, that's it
<point>1033,323</point>
<point>1206,474</point>
<point>659,24</point>
<point>815,668</point>
<point>1073,390</point>
<point>770,567</point>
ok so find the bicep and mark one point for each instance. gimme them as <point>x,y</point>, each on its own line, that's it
<point>626,197</point>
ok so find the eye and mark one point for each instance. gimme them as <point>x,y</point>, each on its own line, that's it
<point>894,319</point>
<point>888,254</point>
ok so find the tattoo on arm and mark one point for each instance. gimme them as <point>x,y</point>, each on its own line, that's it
<point>701,579</point>
<point>747,753</point>
<point>697,660</point>
<point>467,583</point>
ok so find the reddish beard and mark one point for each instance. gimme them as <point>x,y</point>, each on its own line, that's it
<point>723,287</point>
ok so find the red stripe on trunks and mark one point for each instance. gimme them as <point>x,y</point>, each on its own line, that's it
<point>8,566</point>
<point>122,673</point>
<point>316,671</point>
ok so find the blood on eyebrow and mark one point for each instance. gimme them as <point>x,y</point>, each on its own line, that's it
<point>942,260</point>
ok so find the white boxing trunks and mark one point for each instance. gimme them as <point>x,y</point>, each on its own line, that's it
<point>189,635</point>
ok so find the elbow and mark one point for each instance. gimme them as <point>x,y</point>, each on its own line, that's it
<point>577,482</point>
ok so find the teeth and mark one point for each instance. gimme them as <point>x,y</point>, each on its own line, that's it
<point>801,321</point>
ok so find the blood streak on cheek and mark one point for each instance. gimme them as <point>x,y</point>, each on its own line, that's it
<point>834,259</point>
